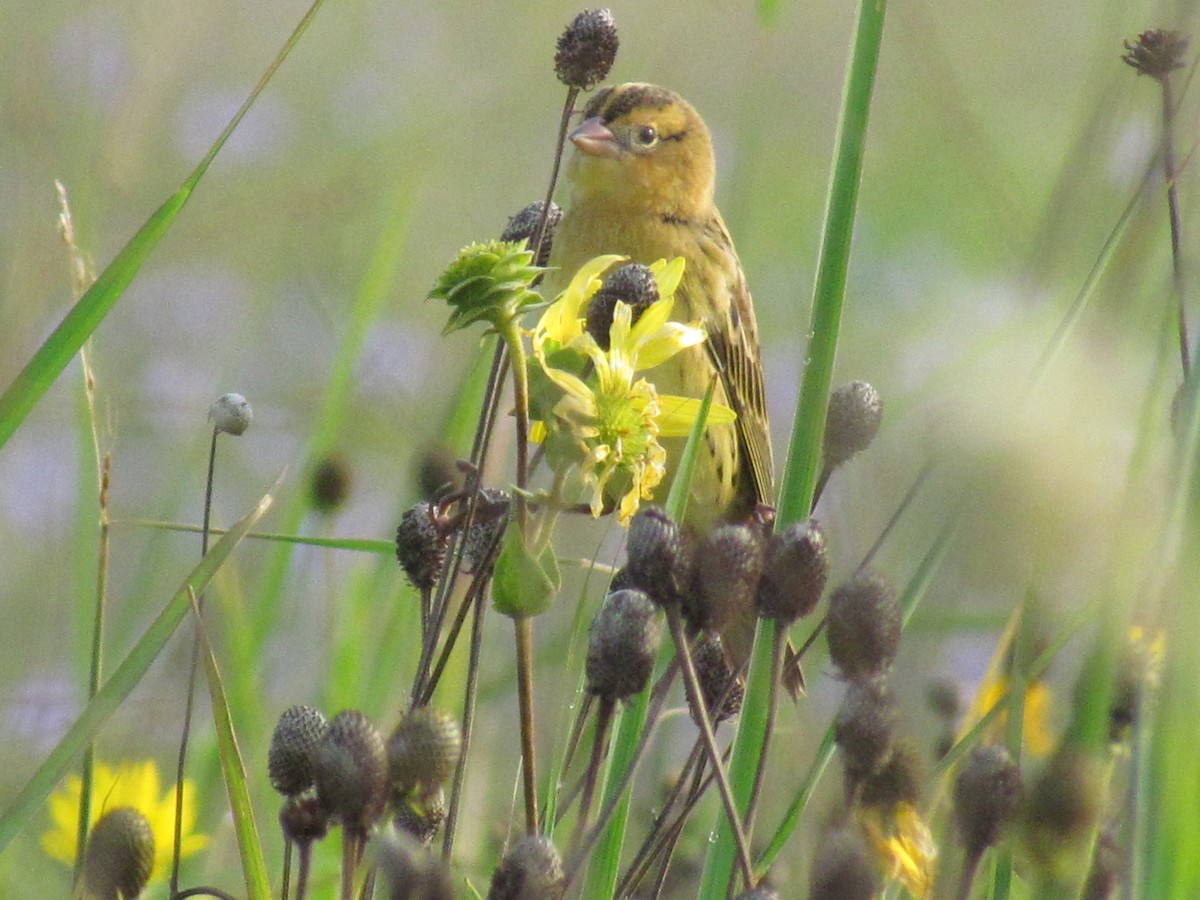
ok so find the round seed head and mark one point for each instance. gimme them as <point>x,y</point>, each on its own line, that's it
<point>843,868</point>
<point>794,572</point>
<point>863,628</point>
<point>329,484</point>
<point>351,771</point>
<point>490,521</point>
<point>530,870</point>
<point>716,679</point>
<point>657,557</point>
<point>851,422</point>
<point>1063,804</point>
<point>420,546</point>
<point>290,759</point>
<point>622,643</point>
<point>231,414</point>
<point>586,49</point>
<point>726,568</point>
<point>864,728</point>
<point>423,751</point>
<point>524,227</point>
<point>119,856</point>
<point>987,796</point>
<point>303,820</point>
<point>899,780</point>
<point>407,871</point>
<point>422,817</point>
<point>632,284</point>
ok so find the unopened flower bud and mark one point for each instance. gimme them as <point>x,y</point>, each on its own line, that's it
<point>119,856</point>
<point>864,625</point>
<point>524,227</point>
<point>864,728</point>
<point>716,679</point>
<point>632,284</point>
<point>420,546</point>
<point>843,868</point>
<point>622,643</point>
<point>726,568</point>
<point>329,484</point>
<point>586,49</point>
<point>351,771</point>
<point>294,743</point>
<point>657,558</point>
<point>231,414</point>
<point>794,572</point>
<point>987,796</point>
<point>531,869</point>
<point>424,750</point>
<point>851,422</point>
<point>304,820</point>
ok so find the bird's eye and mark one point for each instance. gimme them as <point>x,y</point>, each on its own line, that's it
<point>646,136</point>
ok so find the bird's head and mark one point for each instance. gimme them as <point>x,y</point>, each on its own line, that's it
<point>643,147</point>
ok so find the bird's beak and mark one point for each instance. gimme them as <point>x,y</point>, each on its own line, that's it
<point>595,138</point>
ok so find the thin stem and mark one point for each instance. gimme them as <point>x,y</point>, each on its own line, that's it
<point>604,714</point>
<point>1168,152</point>
<point>349,863</point>
<point>568,109</point>
<point>523,626</point>
<point>287,869</point>
<point>967,879</point>
<point>772,706</point>
<point>468,722</point>
<point>302,874</point>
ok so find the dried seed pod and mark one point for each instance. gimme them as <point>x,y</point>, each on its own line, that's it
<point>843,868</point>
<point>524,226</point>
<point>119,856</point>
<point>987,796</point>
<point>863,629</point>
<point>408,871</point>
<point>586,49</point>
<point>622,643</point>
<point>851,422</point>
<point>304,820</point>
<point>420,546</point>
<point>632,284</point>
<point>352,771</point>
<point>864,729</point>
<point>423,751</point>
<point>657,557</point>
<point>231,414</point>
<point>421,817</point>
<point>1156,53</point>
<point>726,568</point>
<point>1063,804</point>
<point>531,869</point>
<point>329,483</point>
<point>899,780</point>
<point>294,742</point>
<point>490,521</point>
<point>794,572</point>
<point>716,679</point>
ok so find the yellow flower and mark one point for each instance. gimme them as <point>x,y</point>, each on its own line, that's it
<point>1039,738</point>
<point>903,845</point>
<point>614,418</point>
<point>135,784</point>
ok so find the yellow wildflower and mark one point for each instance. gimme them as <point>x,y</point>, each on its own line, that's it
<point>903,845</point>
<point>1039,738</point>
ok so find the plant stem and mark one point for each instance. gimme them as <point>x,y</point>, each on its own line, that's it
<point>523,627</point>
<point>1168,153</point>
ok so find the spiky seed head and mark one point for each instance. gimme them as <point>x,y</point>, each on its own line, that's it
<point>290,758</point>
<point>716,679</point>
<point>407,871</point>
<point>987,796</point>
<point>851,422</point>
<point>795,570</point>
<point>586,49</point>
<point>843,868</point>
<point>423,751</point>
<point>657,557</point>
<point>420,817</point>
<point>632,284</point>
<point>231,414</point>
<point>524,227</point>
<point>945,698</point>
<point>900,779</point>
<point>304,820</point>
<point>622,644</point>
<point>329,483</point>
<point>726,567</point>
<point>864,728</point>
<point>490,519</point>
<point>864,624</point>
<point>1063,805</point>
<point>531,869</point>
<point>352,771</point>
<point>420,545</point>
<point>1156,53</point>
<point>119,856</point>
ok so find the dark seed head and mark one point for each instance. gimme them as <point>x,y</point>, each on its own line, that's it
<point>423,751</point>
<point>987,796</point>
<point>863,628</point>
<point>1063,804</point>
<point>408,871</point>
<point>632,284</point>
<point>622,644</point>
<point>1156,53</point>
<point>491,517</point>
<point>852,421</point>
<point>351,771</point>
<point>303,820</point>
<point>586,49</point>
<point>899,780</point>
<point>843,868</point>
<point>524,227</point>
<point>657,557</point>
<point>329,484</point>
<point>794,572</point>
<point>294,742</point>
<point>119,856</point>
<point>716,679</point>
<point>530,870</point>
<point>421,817</point>
<point>864,729</point>
<point>726,568</point>
<point>945,698</point>
<point>420,546</point>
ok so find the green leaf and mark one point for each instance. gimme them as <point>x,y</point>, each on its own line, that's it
<point>523,585</point>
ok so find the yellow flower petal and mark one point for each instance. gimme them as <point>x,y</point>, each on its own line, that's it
<point>668,275</point>
<point>666,342</point>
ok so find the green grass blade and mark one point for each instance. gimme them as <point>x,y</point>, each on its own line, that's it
<point>124,679</point>
<point>804,451</point>
<point>85,316</point>
<point>254,865</point>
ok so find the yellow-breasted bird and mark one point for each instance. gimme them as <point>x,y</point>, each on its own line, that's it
<point>641,184</point>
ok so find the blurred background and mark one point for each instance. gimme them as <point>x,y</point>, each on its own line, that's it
<point>1006,139</point>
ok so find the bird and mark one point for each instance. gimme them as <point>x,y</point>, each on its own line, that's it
<point>641,184</point>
